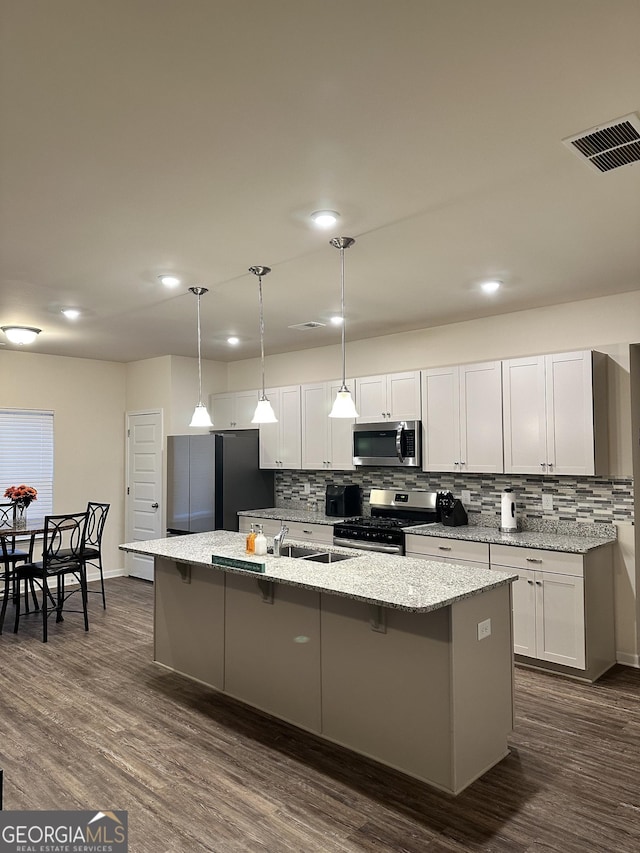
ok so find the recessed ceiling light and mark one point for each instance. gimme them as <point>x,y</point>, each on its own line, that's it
<point>169,280</point>
<point>71,313</point>
<point>491,286</point>
<point>325,218</point>
<point>233,340</point>
<point>21,334</point>
<point>336,320</point>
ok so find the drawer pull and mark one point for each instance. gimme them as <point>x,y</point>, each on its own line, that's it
<point>532,560</point>
<point>311,531</point>
<point>443,548</point>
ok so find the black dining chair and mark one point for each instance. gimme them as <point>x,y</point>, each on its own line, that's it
<point>12,555</point>
<point>63,555</point>
<point>96,518</point>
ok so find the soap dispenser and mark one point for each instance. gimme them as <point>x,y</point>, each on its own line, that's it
<point>260,544</point>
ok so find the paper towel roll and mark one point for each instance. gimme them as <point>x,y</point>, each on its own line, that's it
<point>508,517</point>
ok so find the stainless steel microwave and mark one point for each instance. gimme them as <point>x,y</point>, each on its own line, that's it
<point>390,443</point>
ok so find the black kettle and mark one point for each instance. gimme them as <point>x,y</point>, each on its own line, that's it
<point>450,511</point>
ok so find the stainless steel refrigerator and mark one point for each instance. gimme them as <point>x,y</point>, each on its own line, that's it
<point>211,477</point>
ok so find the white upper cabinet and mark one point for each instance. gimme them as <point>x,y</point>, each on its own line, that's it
<point>233,410</point>
<point>389,397</point>
<point>555,419</point>
<point>326,442</point>
<point>462,418</point>
<point>280,443</point>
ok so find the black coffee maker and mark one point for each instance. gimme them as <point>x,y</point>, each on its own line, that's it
<point>343,501</point>
<point>450,511</point>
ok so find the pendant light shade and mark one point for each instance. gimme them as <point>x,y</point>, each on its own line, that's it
<point>264,413</point>
<point>343,406</point>
<point>200,414</point>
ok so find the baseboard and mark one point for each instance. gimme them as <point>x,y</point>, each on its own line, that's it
<point>628,659</point>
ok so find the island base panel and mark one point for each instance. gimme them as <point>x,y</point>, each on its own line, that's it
<point>425,697</point>
<point>189,620</point>
<point>272,649</point>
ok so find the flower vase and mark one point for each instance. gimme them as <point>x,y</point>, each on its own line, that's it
<point>21,516</point>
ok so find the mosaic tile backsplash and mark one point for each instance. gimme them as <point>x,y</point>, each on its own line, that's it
<point>590,500</point>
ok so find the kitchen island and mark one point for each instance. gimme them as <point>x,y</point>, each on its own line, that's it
<point>406,661</point>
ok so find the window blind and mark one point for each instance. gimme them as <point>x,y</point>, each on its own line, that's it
<point>26,454</point>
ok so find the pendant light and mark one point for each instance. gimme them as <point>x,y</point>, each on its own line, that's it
<point>264,413</point>
<point>200,414</point>
<point>343,406</point>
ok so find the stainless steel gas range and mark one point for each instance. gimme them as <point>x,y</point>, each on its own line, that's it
<point>390,512</point>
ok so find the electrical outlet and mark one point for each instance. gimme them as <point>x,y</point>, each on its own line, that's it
<point>547,502</point>
<point>466,496</point>
<point>484,629</point>
<point>306,488</point>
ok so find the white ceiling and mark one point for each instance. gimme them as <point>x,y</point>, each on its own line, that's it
<point>196,136</point>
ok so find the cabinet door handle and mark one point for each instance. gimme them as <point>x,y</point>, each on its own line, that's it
<point>550,464</point>
<point>443,548</point>
<point>530,582</point>
<point>543,464</point>
<point>532,560</point>
<point>388,414</point>
<point>538,583</point>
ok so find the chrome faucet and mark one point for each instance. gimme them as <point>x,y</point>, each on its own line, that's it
<point>278,539</point>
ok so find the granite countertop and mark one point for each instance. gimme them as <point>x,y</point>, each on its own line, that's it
<point>386,580</point>
<point>525,539</point>
<point>305,516</point>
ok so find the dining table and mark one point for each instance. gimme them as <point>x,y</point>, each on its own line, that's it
<point>35,527</point>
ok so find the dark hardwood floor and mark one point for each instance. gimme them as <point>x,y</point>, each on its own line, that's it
<point>88,721</point>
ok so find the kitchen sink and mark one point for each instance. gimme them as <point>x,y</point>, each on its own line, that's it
<point>327,557</point>
<point>313,555</point>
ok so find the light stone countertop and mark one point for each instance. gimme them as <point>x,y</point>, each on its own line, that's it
<point>386,580</point>
<point>305,516</point>
<point>525,539</point>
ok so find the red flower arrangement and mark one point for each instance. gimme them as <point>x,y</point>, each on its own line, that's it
<point>21,494</point>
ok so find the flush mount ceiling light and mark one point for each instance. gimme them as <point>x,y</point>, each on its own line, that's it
<point>491,286</point>
<point>169,280</point>
<point>200,414</point>
<point>233,341</point>
<point>21,334</point>
<point>325,218</point>
<point>343,407</point>
<point>264,413</point>
<point>70,313</point>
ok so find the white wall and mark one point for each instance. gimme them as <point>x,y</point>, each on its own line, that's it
<point>88,401</point>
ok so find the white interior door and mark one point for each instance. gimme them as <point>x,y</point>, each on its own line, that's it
<point>144,487</point>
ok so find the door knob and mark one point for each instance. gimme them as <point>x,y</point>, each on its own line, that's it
<point>155,506</point>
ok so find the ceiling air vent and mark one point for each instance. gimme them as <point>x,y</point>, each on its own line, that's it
<point>311,324</point>
<point>610,145</point>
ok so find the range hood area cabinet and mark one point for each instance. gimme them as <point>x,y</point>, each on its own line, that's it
<point>462,418</point>
<point>326,442</point>
<point>281,443</point>
<point>233,409</point>
<point>555,414</point>
<point>389,397</point>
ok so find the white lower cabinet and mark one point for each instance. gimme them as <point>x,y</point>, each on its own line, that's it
<point>445,550</point>
<point>303,532</point>
<point>562,607</point>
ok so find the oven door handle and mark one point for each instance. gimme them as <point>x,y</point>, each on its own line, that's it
<point>399,432</point>
<point>367,546</point>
